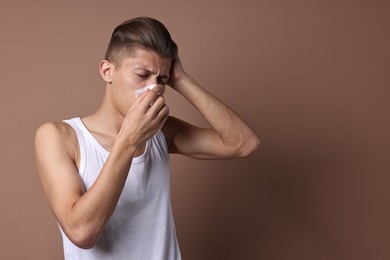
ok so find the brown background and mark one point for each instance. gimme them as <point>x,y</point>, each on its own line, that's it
<point>311,77</point>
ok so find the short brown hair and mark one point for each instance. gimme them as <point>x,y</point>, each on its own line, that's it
<point>140,32</point>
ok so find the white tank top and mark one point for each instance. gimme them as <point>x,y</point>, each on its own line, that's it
<point>142,225</point>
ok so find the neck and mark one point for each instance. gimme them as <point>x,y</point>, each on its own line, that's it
<point>107,119</point>
<point>105,124</point>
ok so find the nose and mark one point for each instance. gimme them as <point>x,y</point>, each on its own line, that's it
<point>154,80</point>
<point>162,89</point>
<point>159,84</point>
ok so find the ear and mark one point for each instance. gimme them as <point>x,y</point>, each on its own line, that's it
<point>106,70</point>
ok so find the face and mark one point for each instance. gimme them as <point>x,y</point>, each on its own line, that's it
<point>137,71</point>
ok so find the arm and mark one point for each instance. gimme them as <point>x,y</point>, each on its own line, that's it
<point>228,137</point>
<point>83,214</point>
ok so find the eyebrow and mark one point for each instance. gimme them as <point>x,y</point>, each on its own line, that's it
<point>149,71</point>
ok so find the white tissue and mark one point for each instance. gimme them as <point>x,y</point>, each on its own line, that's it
<point>140,91</point>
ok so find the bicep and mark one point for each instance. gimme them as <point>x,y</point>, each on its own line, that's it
<point>57,170</point>
<point>195,142</point>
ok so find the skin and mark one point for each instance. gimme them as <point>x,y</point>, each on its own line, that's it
<point>122,125</point>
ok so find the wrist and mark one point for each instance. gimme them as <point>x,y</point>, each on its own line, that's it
<point>182,81</point>
<point>123,145</point>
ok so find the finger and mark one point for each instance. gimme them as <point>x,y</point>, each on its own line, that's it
<point>163,121</point>
<point>141,97</point>
<point>160,89</point>
<point>157,104</point>
<point>148,98</point>
<point>158,115</point>
<point>164,118</point>
<point>158,120</point>
<point>163,111</point>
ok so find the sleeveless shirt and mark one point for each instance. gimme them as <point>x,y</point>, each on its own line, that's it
<point>142,225</point>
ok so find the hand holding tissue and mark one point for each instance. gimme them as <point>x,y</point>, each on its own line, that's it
<point>140,91</point>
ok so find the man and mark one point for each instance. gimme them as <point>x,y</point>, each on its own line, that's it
<point>106,175</point>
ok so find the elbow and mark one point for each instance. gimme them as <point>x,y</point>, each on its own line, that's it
<point>82,237</point>
<point>85,243</point>
<point>250,146</point>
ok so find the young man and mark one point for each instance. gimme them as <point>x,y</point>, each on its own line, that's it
<point>106,175</point>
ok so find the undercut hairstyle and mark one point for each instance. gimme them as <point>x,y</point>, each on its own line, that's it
<point>141,32</point>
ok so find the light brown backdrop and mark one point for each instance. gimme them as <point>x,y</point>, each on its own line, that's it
<point>311,77</point>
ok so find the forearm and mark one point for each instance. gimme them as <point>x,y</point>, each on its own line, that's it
<point>233,131</point>
<point>90,213</point>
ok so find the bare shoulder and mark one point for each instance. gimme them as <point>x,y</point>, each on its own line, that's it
<point>54,128</point>
<point>59,131</point>
<point>56,136</point>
